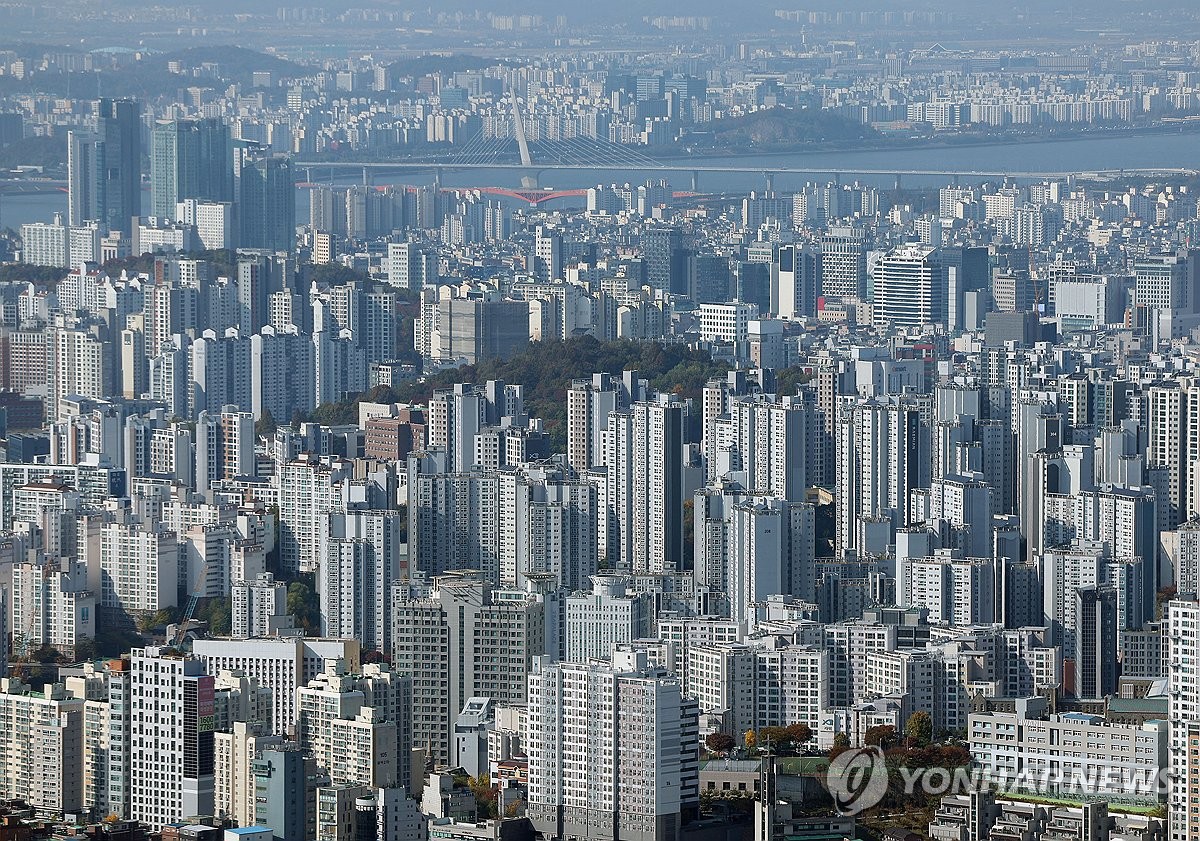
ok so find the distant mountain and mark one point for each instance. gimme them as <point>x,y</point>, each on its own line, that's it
<point>238,62</point>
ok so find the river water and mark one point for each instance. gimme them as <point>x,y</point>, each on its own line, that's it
<point>1143,151</point>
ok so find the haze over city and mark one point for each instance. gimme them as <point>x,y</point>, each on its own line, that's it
<point>625,422</point>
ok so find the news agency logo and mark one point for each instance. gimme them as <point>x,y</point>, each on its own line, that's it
<point>857,779</point>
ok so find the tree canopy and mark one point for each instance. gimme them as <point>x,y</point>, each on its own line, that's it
<point>546,369</point>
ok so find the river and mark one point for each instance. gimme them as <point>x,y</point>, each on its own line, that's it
<point>1086,154</point>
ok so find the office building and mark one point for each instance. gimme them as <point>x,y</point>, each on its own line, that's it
<point>267,203</point>
<point>909,289</point>
<point>104,168</point>
<point>189,159</point>
<point>843,263</point>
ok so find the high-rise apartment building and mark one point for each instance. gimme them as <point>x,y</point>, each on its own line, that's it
<point>463,639</point>
<point>257,606</point>
<point>612,751</point>
<point>359,557</point>
<point>646,481</point>
<point>41,747</point>
<point>357,727</point>
<point>1183,637</point>
<point>548,261</point>
<point>171,776</point>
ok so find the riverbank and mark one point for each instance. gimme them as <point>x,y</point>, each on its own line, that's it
<point>934,142</point>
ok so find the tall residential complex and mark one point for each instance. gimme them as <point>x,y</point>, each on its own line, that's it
<point>171,777</point>
<point>612,750</point>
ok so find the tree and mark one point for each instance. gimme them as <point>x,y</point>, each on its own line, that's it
<point>485,794</point>
<point>799,732</point>
<point>750,739</point>
<point>301,605</point>
<point>777,738</point>
<point>85,649</point>
<point>149,621</point>
<point>919,728</point>
<point>880,736</point>
<point>266,426</point>
<point>719,742</point>
<point>841,740</point>
<point>218,613</point>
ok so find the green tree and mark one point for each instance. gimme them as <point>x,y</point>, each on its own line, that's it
<point>266,425</point>
<point>148,621</point>
<point>218,613</point>
<point>302,603</point>
<point>919,729</point>
<point>841,740</point>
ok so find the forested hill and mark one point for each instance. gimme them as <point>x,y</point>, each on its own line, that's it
<point>545,369</point>
<point>778,129</point>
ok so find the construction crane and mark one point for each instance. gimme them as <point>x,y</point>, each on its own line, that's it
<point>190,610</point>
<point>20,664</point>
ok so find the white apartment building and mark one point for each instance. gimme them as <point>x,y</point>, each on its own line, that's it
<point>357,727</point>
<point>52,605</point>
<point>234,752</point>
<point>612,751</point>
<point>283,664</point>
<point>213,222</point>
<point>360,556</point>
<point>255,604</point>
<point>1076,753</point>
<point>607,615</point>
<point>41,747</point>
<point>107,736</point>
<point>139,568</point>
<point>309,490</point>
<point>957,591</point>
<point>171,773</point>
<point>1183,634</point>
<point>720,676</point>
<point>46,244</point>
<point>791,686</point>
<point>752,547</point>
